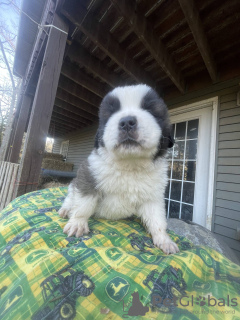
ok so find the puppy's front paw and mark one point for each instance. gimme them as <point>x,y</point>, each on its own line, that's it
<point>165,243</point>
<point>63,212</point>
<point>76,227</point>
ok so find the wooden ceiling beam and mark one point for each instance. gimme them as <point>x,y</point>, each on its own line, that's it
<point>75,120</point>
<point>101,37</point>
<point>65,96</point>
<point>195,24</point>
<point>74,73</point>
<point>62,122</point>
<point>61,126</point>
<point>145,31</point>
<point>80,55</point>
<point>78,91</point>
<point>74,110</point>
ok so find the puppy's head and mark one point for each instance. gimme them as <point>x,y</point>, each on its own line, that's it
<point>133,121</point>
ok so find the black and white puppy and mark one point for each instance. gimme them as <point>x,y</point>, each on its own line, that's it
<point>126,173</point>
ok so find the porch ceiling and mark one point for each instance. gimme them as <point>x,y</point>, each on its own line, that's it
<point>176,46</point>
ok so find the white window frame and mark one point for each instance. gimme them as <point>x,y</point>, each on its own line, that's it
<point>206,111</point>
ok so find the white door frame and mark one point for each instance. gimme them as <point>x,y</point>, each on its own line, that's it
<point>206,111</point>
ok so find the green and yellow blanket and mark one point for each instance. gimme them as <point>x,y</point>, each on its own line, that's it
<point>114,272</point>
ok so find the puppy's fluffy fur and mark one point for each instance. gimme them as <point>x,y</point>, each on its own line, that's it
<point>126,173</point>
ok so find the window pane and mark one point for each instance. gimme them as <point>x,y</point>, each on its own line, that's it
<point>166,205</point>
<point>169,153</point>
<point>167,191</point>
<point>179,150</point>
<point>180,131</point>
<point>187,212</point>
<point>188,192</point>
<point>176,190</point>
<point>192,131</point>
<point>191,149</point>
<point>189,170</point>
<point>177,170</point>
<point>174,209</point>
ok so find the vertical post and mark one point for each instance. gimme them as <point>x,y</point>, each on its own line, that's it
<point>30,166</point>
<point>16,143</point>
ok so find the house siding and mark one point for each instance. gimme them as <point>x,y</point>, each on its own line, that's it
<point>227,193</point>
<point>81,143</point>
<point>57,145</point>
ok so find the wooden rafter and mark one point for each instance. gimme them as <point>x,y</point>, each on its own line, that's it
<point>65,96</point>
<point>63,122</point>
<point>95,30</point>
<point>145,31</point>
<point>193,19</point>
<point>75,120</point>
<point>74,73</point>
<point>74,110</point>
<point>78,91</point>
<point>80,55</point>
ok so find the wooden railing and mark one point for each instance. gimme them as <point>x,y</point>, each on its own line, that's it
<point>8,175</point>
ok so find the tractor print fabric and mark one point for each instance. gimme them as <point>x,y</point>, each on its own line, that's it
<point>114,272</point>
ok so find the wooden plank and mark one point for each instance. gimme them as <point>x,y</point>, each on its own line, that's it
<point>12,183</point>
<point>4,184</point>
<point>6,188</point>
<point>78,54</point>
<point>76,121</point>
<point>230,120</point>
<point>65,96</point>
<point>228,98</point>
<point>229,128</point>
<point>228,105</point>
<point>235,206</point>
<point>1,171</point>
<point>3,167</point>
<point>228,169</point>
<point>229,136</point>
<point>65,126</point>
<point>232,152</point>
<point>195,24</point>
<point>228,187</point>
<point>144,29</point>
<point>30,166</point>
<point>73,109</point>
<point>225,221</point>
<point>74,73</point>
<point>232,178</point>
<point>231,196</point>
<point>227,232</point>
<point>234,111</point>
<point>228,161</point>
<point>95,30</point>
<point>229,214</point>
<point>20,128</point>
<point>76,90</point>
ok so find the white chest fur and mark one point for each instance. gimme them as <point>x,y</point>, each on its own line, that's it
<point>124,185</point>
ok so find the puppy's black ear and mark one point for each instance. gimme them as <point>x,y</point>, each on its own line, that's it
<point>171,141</point>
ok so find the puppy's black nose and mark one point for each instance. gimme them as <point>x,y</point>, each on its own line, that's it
<point>128,123</point>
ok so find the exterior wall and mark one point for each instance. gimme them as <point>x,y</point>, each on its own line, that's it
<point>57,145</point>
<point>227,202</point>
<point>81,143</point>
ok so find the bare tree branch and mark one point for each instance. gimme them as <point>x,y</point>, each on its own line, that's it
<point>7,64</point>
